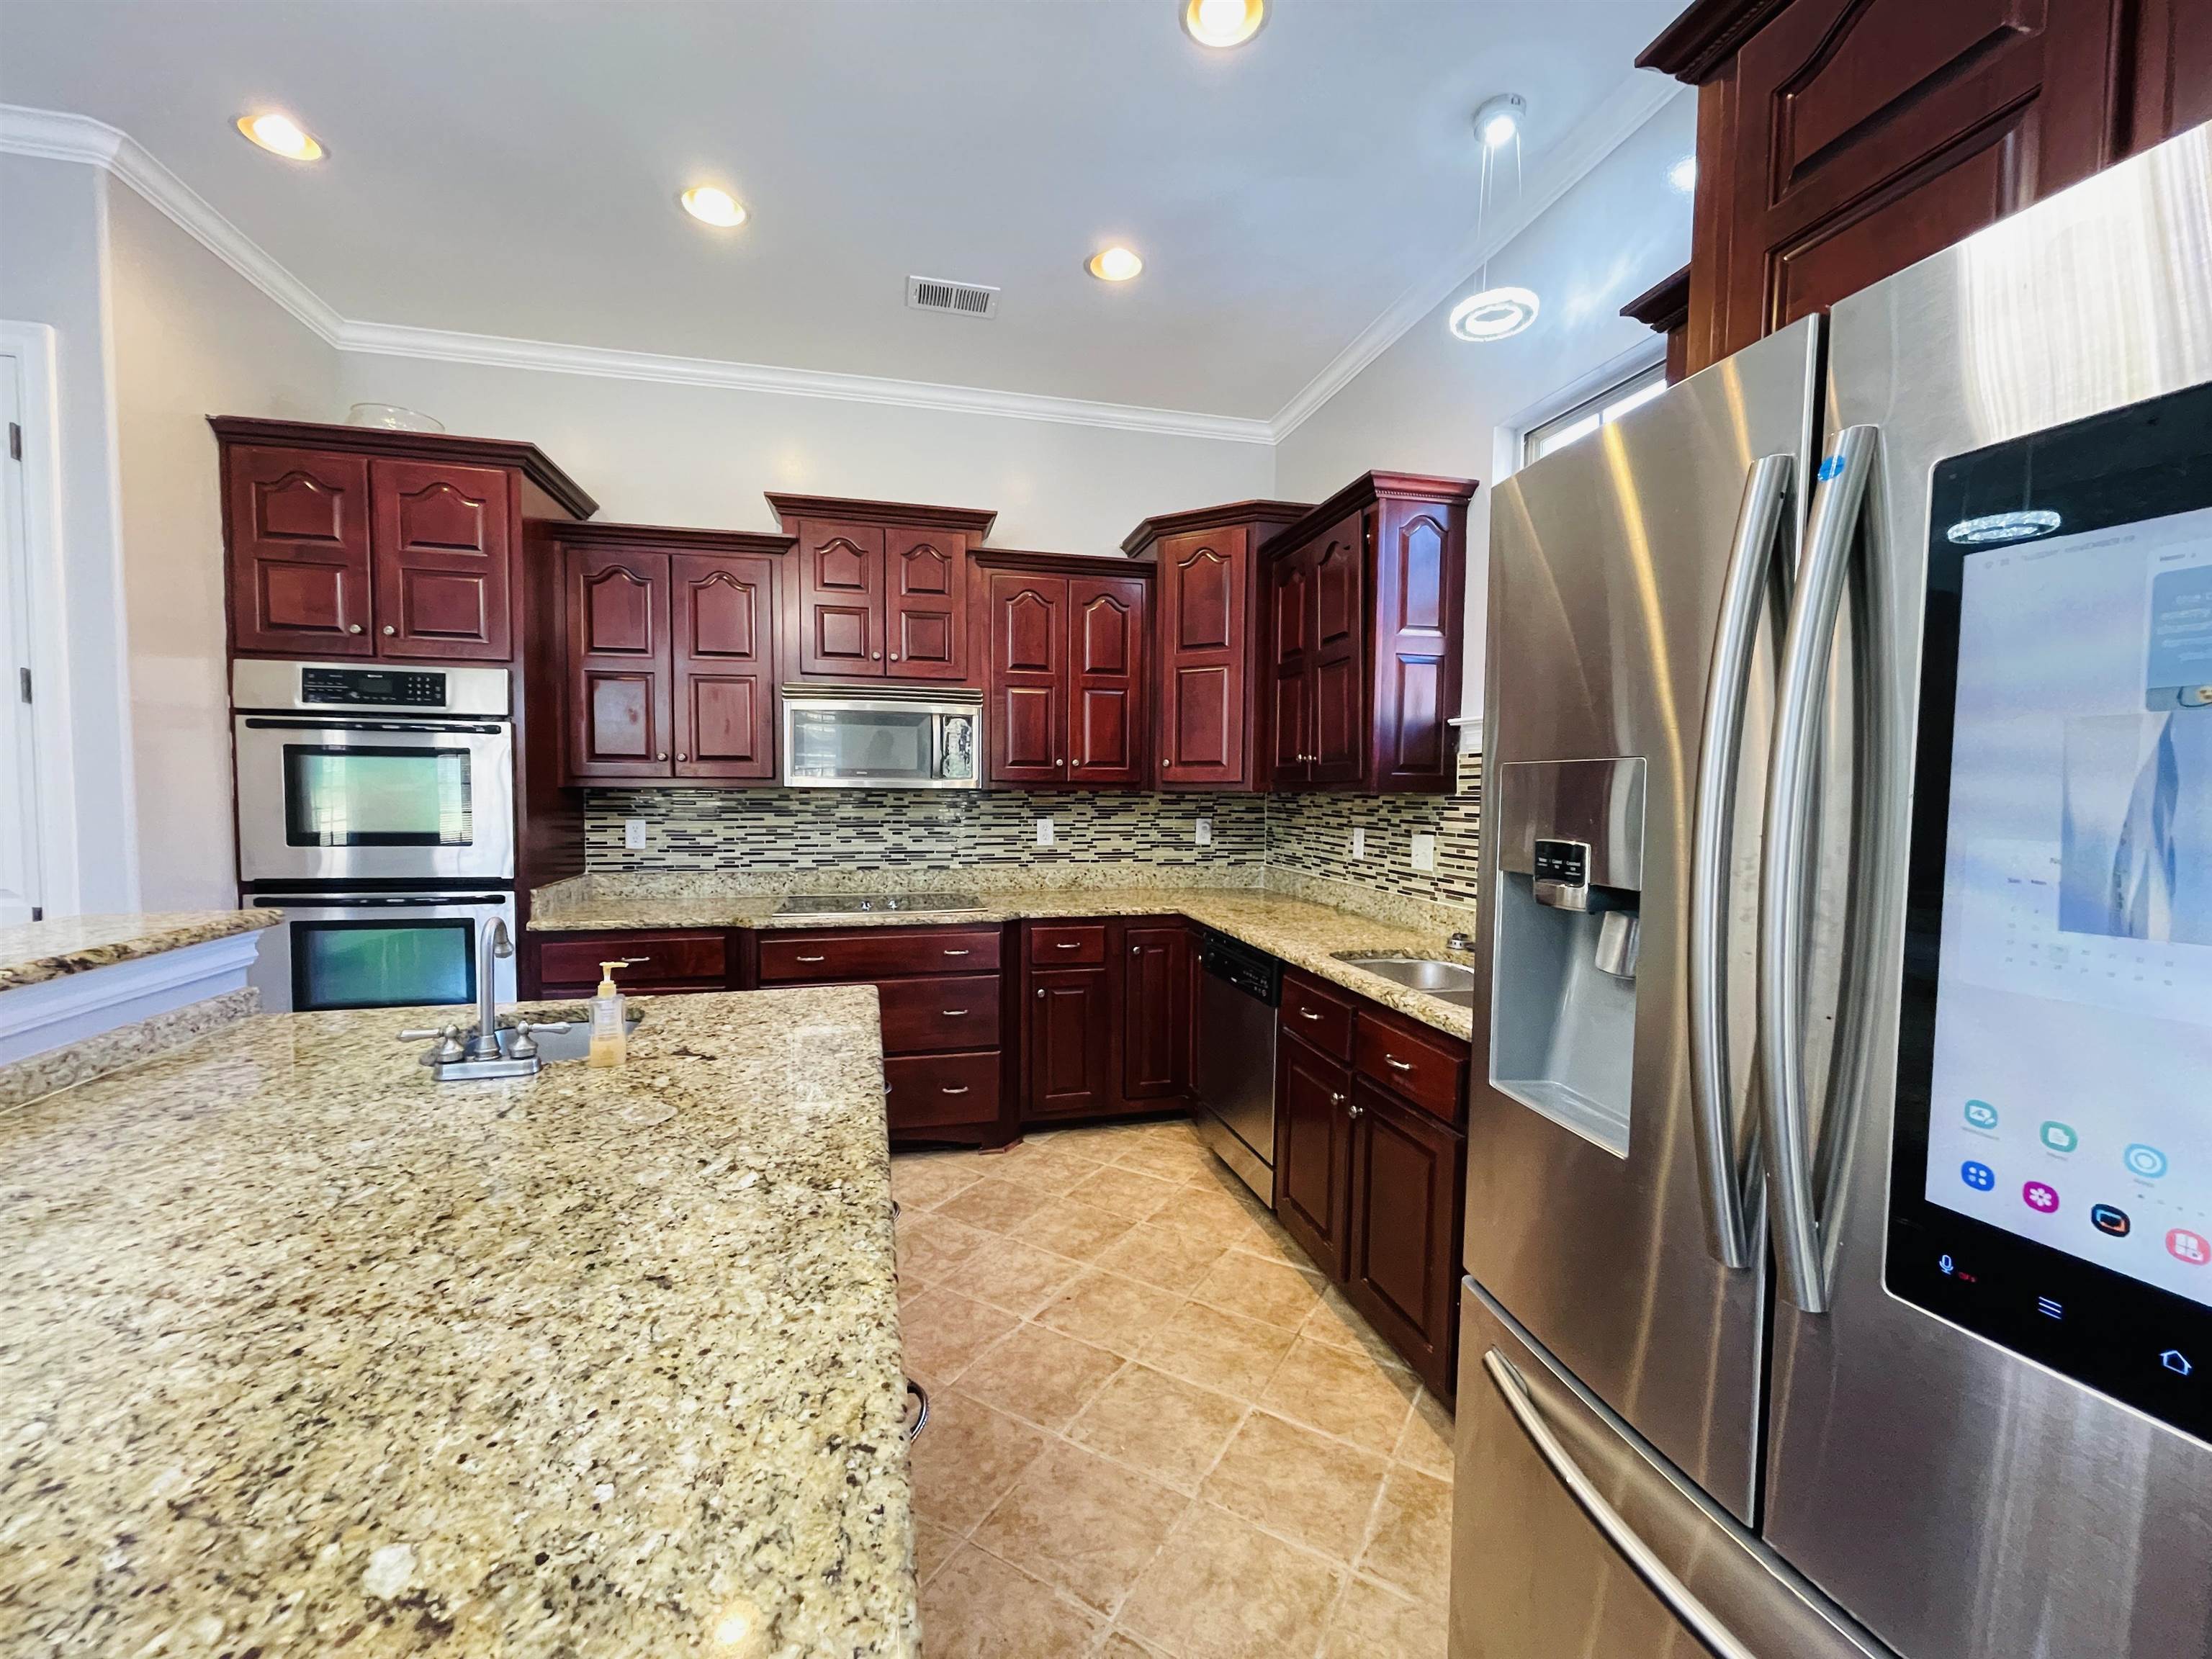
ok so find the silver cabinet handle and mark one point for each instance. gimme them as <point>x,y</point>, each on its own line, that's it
<point>353,628</point>
<point>629,962</point>
<point>810,958</point>
<point>875,656</point>
<point>1068,944</point>
<point>1335,1098</point>
<point>1355,1110</point>
<point>1040,993</point>
<point>947,1089</point>
<point>1396,1064</point>
<point>680,754</point>
<point>894,656</point>
<point>1307,1013</point>
<point>1639,1555</point>
<point>1136,949</point>
<point>953,953</point>
<point>952,1013</point>
<point>389,630</point>
<point>661,754</point>
<point>1751,558</point>
<point>1838,501</point>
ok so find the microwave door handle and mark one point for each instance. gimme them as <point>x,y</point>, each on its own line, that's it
<point>1752,557</point>
<point>1839,505</point>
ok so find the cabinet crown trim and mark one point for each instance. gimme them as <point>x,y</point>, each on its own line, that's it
<point>1364,491</point>
<point>1664,306</point>
<point>1057,564</point>
<point>1705,36</point>
<point>975,521</point>
<point>527,459</point>
<point>1139,541</point>
<point>672,539</point>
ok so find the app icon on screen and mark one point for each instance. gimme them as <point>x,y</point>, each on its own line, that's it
<point>2060,1137</point>
<point>2040,1196</point>
<point>2147,1162</point>
<point>2185,1246</point>
<point>2109,1218</point>
<point>1981,1115</point>
<point>1979,1176</point>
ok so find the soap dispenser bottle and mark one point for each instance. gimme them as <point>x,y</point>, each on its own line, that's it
<point>610,1034</point>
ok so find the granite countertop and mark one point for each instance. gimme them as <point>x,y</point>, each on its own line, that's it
<point>1306,935</point>
<point>39,950</point>
<point>306,1354</point>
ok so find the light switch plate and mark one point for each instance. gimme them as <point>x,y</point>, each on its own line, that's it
<point>1204,834</point>
<point>1044,832</point>
<point>633,833</point>
<point>1425,852</point>
<point>1359,843</point>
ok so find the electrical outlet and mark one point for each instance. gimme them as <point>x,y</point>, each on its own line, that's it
<point>1425,852</point>
<point>1044,832</point>
<point>633,833</point>
<point>1359,843</point>
<point>1204,834</point>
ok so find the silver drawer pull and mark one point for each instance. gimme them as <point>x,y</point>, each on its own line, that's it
<point>961,952</point>
<point>630,962</point>
<point>1307,1013</point>
<point>952,1013</point>
<point>1068,944</point>
<point>810,958</point>
<point>947,1089</point>
<point>1396,1064</point>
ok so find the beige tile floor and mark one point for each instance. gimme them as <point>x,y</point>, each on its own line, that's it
<point>1154,1429</point>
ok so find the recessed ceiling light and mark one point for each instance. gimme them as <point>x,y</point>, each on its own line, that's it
<point>1497,120</point>
<point>1683,175</point>
<point>1496,314</point>
<point>1115,265</point>
<point>713,206</point>
<point>280,135</point>
<point>1223,22</point>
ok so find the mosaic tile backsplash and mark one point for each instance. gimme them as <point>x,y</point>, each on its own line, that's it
<point>767,831</point>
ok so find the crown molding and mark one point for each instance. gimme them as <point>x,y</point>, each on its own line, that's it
<point>498,351</point>
<point>59,136</point>
<point>1619,116</point>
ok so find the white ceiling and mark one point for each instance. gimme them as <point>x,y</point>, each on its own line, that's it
<point>511,168</point>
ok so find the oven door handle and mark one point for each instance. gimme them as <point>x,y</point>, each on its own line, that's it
<point>473,728</point>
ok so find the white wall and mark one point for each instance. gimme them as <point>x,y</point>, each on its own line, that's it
<point>666,454</point>
<point>193,338</point>
<point>53,271</point>
<point>1433,404</point>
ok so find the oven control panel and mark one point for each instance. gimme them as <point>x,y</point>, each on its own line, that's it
<point>381,687</point>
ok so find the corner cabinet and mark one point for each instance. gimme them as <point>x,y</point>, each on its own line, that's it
<point>669,647</point>
<point>1365,607</point>
<point>1062,643</point>
<point>1208,643</point>
<point>1106,1016</point>
<point>354,542</point>
<point>879,589</point>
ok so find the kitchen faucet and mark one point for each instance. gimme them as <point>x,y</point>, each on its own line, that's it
<point>492,941</point>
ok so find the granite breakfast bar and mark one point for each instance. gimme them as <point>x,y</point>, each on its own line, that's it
<point>302,1353</point>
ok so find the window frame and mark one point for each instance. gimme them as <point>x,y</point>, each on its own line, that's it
<point>1649,379</point>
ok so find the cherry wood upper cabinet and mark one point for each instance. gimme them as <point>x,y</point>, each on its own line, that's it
<point>348,541</point>
<point>668,644</point>
<point>1062,643</point>
<point>299,564</point>
<point>1840,141</point>
<point>1208,640</point>
<point>881,590</point>
<point>1366,601</point>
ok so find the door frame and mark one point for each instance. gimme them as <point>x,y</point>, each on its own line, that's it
<point>28,358</point>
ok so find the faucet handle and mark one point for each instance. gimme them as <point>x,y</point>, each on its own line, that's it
<point>1460,942</point>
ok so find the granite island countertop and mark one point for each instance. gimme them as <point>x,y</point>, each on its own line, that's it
<point>302,1353</point>
<point>1306,935</point>
<point>34,952</point>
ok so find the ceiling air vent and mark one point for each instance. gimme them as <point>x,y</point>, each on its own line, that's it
<point>960,299</point>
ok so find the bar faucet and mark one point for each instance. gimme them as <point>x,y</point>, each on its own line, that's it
<point>492,941</point>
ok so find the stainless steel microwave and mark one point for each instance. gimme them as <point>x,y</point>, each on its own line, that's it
<point>876,737</point>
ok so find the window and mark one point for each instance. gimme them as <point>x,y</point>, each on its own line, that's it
<point>1585,417</point>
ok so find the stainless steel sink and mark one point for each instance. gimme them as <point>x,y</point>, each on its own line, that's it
<point>1447,981</point>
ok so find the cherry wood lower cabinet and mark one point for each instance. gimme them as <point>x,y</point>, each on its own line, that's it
<point>1370,1164</point>
<point>1106,1016</point>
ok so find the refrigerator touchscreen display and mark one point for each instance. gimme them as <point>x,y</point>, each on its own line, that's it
<point>2051,1185</point>
<point>2072,1085</point>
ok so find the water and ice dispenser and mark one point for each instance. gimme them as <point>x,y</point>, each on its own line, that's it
<point>1562,1009</point>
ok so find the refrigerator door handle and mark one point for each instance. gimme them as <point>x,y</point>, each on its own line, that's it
<point>1751,558</point>
<point>1838,500</point>
<point>1680,1600</point>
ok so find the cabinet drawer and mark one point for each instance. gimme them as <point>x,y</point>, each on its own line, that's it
<point>928,1091</point>
<point>1068,944</point>
<point>923,1016</point>
<point>1323,1020</point>
<point>1431,1072</point>
<point>876,953</point>
<point>697,962</point>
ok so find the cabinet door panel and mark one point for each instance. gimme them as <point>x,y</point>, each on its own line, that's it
<point>1067,1060</point>
<point>724,668</point>
<point>925,610</point>
<point>1205,658</point>
<point>298,553</point>
<point>1290,635</point>
<point>1418,579</point>
<point>1028,678</point>
<point>841,599</point>
<point>1313,1142</point>
<point>618,659</point>
<point>440,533</point>
<point>1339,673</point>
<point>1401,1269</point>
<point>1106,680</point>
<point>1155,1007</point>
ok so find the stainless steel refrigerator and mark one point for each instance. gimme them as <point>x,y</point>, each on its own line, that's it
<point>1840,1140</point>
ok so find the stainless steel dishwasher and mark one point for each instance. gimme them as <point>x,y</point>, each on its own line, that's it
<point>1239,989</point>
